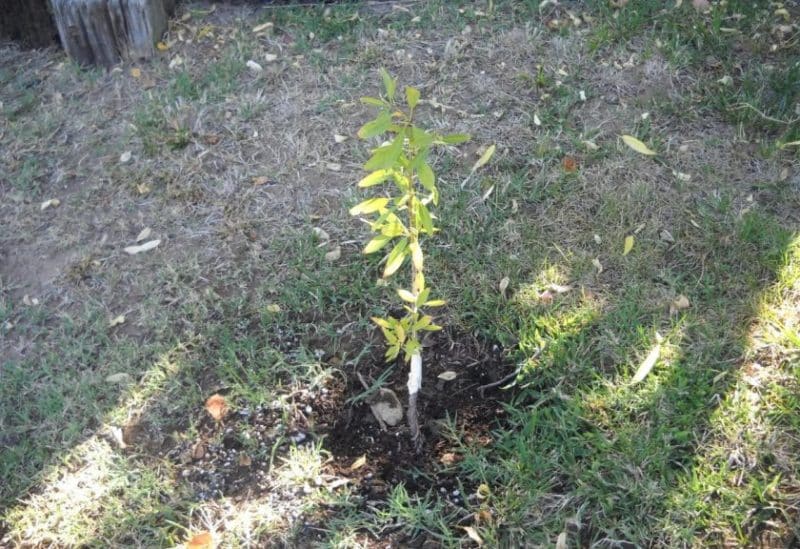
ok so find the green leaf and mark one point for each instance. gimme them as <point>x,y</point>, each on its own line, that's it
<point>376,244</point>
<point>376,178</point>
<point>426,177</point>
<point>421,139</point>
<point>422,297</point>
<point>436,303</point>
<point>392,352</point>
<point>377,126</point>
<point>423,322</point>
<point>374,101</point>
<point>395,258</point>
<point>455,138</point>
<point>425,217</point>
<point>385,157</point>
<point>411,346</point>
<point>389,84</point>
<point>369,205</point>
<point>405,295</point>
<point>416,254</point>
<point>412,97</point>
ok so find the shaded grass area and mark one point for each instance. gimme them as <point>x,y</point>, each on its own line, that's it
<point>702,452</point>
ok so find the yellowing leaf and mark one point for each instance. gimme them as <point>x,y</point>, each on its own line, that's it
<point>273,308</point>
<point>405,295</point>
<point>647,364</point>
<point>136,72</point>
<point>485,157</point>
<point>628,244</point>
<point>369,206</point>
<point>416,255</point>
<point>637,145</point>
<point>162,46</point>
<point>376,244</point>
<point>376,178</point>
<point>483,491</point>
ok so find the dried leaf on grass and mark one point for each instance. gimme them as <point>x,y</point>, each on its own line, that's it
<point>147,246</point>
<point>637,145</point>
<point>52,203</point>
<point>334,254</point>
<point>119,378</point>
<point>473,534</point>
<point>386,407</point>
<point>359,463</point>
<point>144,234</point>
<point>647,364</point>
<point>679,304</point>
<point>629,240</point>
<point>503,286</point>
<point>125,157</point>
<point>203,540</point>
<point>116,321</point>
<point>484,159</point>
<point>216,406</point>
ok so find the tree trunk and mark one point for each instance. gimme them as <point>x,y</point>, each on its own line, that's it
<point>28,22</point>
<point>104,32</point>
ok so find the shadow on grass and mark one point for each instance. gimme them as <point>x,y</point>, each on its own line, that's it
<point>677,458</point>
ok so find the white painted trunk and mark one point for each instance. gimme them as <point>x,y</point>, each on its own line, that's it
<point>415,374</point>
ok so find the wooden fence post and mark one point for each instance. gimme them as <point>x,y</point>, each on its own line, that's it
<point>104,32</point>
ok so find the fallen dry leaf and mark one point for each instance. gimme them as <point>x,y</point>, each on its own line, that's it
<point>561,541</point>
<point>666,236</point>
<point>339,138</point>
<point>483,491</point>
<point>321,234</point>
<point>701,5</point>
<point>334,254</point>
<point>647,364</point>
<point>162,46</point>
<point>559,289</point>
<point>637,145</point>
<point>569,164</point>
<point>450,458</point>
<point>216,406</point>
<point>199,451</point>
<point>245,460</point>
<point>116,321</point>
<point>473,534</point>
<point>485,157</point>
<point>546,297</point>
<point>261,180</point>
<point>386,407</point>
<point>52,203</point>
<point>119,378</point>
<point>679,304</point>
<point>133,250</point>
<point>333,166</point>
<point>503,286</point>
<point>254,67</point>
<point>629,240</point>
<point>359,463</point>
<point>136,72</point>
<point>263,27</point>
<point>270,57</point>
<point>144,234</point>
<point>125,157</point>
<point>203,540</point>
<point>273,308</point>
<point>597,265</point>
<point>449,375</point>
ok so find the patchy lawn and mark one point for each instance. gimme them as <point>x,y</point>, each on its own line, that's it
<point>243,174</point>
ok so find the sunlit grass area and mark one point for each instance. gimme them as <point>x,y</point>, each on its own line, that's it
<point>642,312</point>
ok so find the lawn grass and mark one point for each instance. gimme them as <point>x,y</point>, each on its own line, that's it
<point>237,171</point>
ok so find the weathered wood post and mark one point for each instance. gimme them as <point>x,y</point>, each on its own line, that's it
<point>103,32</point>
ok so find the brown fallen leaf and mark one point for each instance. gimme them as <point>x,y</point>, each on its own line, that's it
<point>245,460</point>
<point>450,458</point>
<point>199,451</point>
<point>569,164</point>
<point>261,180</point>
<point>217,407</point>
<point>679,304</point>
<point>203,540</point>
<point>473,535</point>
<point>546,297</point>
<point>701,5</point>
<point>359,463</point>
